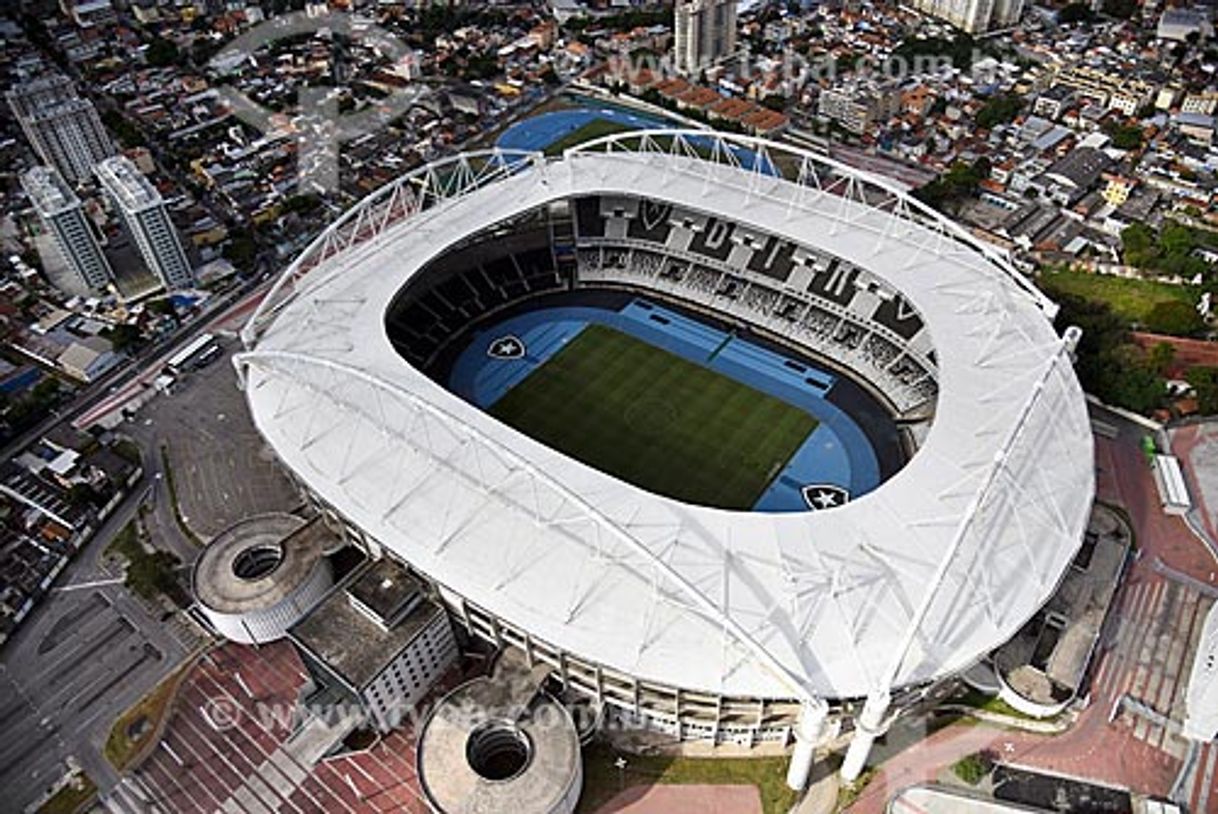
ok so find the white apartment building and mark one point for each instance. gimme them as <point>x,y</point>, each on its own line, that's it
<point>974,16</point>
<point>857,106</point>
<point>705,33</point>
<point>64,130</point>
<point>143,211</point>
<point>64,218</point>
<point>1111,90</point>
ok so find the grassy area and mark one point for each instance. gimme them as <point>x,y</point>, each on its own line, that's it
<point>129,450</point>
<point>1132,300</point>
<point>603,780</point>
<point>173,497</point>
<point>592,130</point>
<point>132,730</point>
<point>992,704</point>
<point>656,420</point>
<point>71,798</point>
<point>126,544</point>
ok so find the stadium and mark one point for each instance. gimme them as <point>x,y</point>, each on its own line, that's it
<point>746,445</point>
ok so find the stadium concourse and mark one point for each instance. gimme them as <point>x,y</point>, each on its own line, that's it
<point>770,622</point>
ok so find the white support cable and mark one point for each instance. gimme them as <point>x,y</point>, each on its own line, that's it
<point>780,671</point>
<point>892,673</point>
<point>323,247</point>
<point>945,230</point>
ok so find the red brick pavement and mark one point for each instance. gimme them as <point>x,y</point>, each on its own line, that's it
<point>198,765</point>
<point>685,800</point>
<point>1093,748</point>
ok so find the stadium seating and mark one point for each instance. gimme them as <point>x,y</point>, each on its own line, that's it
<point>823,303</point>
<point>467,283</point>
<point>837,311</point>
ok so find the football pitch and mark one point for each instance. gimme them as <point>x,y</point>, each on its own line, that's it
<point>653,419</point>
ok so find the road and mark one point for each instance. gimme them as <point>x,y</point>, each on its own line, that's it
<point>83,656</point>
<point>1142,655</point>
<point>90,649</point>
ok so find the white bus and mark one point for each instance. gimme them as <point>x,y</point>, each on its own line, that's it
<point>201,351</point>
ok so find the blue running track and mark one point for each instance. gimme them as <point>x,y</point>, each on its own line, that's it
<point>836,453</point>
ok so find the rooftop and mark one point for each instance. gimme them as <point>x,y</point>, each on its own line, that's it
<point>356,646</point>
<point>129,187</point>
<point>219,583</point>
<point>49,193</point>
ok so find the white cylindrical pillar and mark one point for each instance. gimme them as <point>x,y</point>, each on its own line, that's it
<point>808,730</point>
<point>867,729</point>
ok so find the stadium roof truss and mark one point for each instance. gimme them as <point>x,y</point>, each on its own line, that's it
<point>914,581</point>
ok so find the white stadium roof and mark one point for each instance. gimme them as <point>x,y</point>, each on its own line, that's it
<point>918,579</point>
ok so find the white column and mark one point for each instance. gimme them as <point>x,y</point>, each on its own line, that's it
<point>808,731</point>
<point>867,729</point>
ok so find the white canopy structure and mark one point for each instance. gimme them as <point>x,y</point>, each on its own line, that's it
<point>905,585</point>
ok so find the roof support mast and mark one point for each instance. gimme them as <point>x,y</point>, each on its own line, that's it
<point>872,721</point>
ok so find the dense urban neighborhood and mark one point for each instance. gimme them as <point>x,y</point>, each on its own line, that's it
<point>604,406</point>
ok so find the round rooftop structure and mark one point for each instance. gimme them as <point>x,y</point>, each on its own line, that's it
<point>260,576</point>
<point>480,752</point>
<point>731,618</point>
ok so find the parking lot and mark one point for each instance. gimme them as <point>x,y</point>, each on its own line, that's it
<point>221,470</point>
<point>88,654</point>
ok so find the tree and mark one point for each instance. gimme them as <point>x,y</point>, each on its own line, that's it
<point>1204,381</point>
<point>1075,13</point>
<point>999,110</point>
<point>1121,9</point>
<point>1175,318</point>
<point>241,249</point>
<point>1125,136</point>
<point>957,184</point>
<point>972,769</point>
<point>1177,239</point>
<point>161,53</point>
<point>1109,365</point>
<point>1139,238</point>
<point>1160,358</point>
<point>152,574</point>
<point>81,496</point>
<point>124,337</point>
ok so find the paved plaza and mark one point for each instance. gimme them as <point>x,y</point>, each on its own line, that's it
<point>230,746</point>
<point>1144,657</point>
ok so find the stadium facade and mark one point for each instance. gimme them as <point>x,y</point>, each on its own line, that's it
<point>733,625</point>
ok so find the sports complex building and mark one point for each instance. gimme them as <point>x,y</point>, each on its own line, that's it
<point>741,443</point>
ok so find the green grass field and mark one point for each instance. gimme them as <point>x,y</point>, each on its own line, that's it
<point>592,130</point>
<point>1131,299</point>
<point>653,419</point>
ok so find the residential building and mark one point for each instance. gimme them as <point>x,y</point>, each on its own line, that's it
<point>64,217</point>
<point>1114,91</point>
<point>64,130</point>
<point>89,13</point>
<point>1053,102</point>
<point>974,16</point>
<point>705,33</point>
<point>89,359</point>
<point>856,106</point>
<point>1178,24</point>
<point>1205,103</point>
<point>146,217</point>
<point>1119,188</point>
